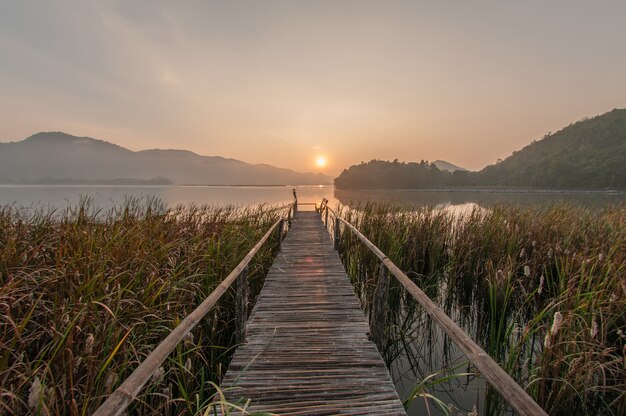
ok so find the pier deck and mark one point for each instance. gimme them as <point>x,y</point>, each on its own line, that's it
<point>307,350</point>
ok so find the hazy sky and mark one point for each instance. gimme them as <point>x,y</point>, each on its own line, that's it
<point>281,82</point>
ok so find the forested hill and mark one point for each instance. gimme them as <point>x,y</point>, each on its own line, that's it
<point>380,174</point>
<point>586,154</point>
<point>589,154</point>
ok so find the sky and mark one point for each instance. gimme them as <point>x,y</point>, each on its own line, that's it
<point>286,82</point>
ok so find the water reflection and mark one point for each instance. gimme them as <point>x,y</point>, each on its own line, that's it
<point>106,196</point>
<point>463,200</point>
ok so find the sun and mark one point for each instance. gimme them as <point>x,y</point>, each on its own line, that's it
<point>320,161</point>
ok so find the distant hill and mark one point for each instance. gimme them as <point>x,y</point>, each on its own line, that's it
<point>589,154</point>
<point>56,157</point>
<point>447,166</point>
<point>380,174</point>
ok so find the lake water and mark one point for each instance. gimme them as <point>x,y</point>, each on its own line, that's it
<point>104,197</point>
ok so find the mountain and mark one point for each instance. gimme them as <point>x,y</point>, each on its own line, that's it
<point>589,154</point>
<point>447,166</point>
<point>56,156</point>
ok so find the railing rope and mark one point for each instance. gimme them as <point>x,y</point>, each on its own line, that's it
<point>499,379</point>
<point>119,400</point>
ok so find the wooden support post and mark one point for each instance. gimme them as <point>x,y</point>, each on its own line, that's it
<point>295,201</point>
<point>279,233</point>
<point>243,290</point>
<point>337,234</point>
<point>378,314</point>
<point>289,217</point>
<point>326,218</point>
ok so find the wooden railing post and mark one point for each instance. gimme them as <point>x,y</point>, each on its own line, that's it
<point>378,314</point>
<point>295,201</point>
<point>326,218</point>
<point>337,234</point>
<point>279,233</point>
<point>241,313</point>
<point>289,216</point>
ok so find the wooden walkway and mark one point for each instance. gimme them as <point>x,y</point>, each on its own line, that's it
<point>307,350</point>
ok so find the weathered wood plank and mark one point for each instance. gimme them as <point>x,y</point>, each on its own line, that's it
<point>307,350</point>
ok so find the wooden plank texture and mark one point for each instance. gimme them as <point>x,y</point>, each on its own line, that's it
<point>307,350</point>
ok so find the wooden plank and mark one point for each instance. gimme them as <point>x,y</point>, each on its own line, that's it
<point>307,349</point>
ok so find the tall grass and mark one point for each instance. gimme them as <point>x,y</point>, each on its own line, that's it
<point>542,289</point>
<point>86,295</point>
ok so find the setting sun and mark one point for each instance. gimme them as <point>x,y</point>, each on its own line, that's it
<point>320,161</point>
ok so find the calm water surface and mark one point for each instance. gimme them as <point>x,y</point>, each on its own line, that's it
<point>105,196</point>
<point>463,198</point>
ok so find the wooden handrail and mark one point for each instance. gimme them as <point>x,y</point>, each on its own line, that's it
<point>330,210</point>
<point>119,400</point>
<point>499,379</point>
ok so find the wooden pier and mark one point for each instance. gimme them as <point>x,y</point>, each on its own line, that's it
<point>306,349</point>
